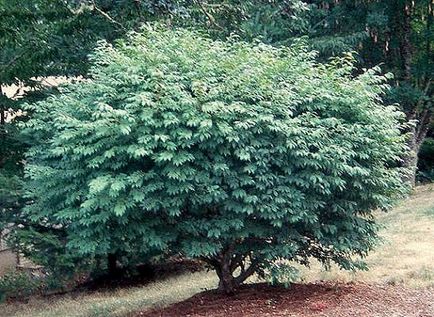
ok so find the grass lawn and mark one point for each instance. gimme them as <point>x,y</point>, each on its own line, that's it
<point>406,257</point>
<point>406,254</point>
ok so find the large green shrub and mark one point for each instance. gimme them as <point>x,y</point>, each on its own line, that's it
<point>238,154</point>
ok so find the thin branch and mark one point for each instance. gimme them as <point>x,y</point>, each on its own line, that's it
<point>208,15</point>
<point>108,17</point>
<point>12,61</point>
<point>425,92</point>
<point>210,261</point>
<point>139,10</point>
<point>313,28</point>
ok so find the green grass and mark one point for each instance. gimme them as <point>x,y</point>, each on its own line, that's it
<point>120,302</point>
<point>406,257</point>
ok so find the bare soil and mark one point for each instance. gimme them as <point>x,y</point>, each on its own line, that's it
<point>306,300</point>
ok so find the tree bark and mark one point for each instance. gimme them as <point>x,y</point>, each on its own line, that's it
<point>405,45</point>
<point>410,162</point>
<point>226,263</point>
<point>2,109</point>
<point>417,137</point>
<point>2,116</point>
<point>227,283</point>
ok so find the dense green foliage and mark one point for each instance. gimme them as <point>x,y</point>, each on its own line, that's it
<point>239,154</point>
<point>41,38</point>
<point>17,285</point>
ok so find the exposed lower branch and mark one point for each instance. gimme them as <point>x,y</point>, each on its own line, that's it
<point>245,274</point>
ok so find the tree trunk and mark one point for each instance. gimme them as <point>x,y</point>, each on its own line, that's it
<point>226,263</point>
<point>112,264</point>
<point>410,162</point>
<point>227,283</point>
<point>405,43</point>
<point>2,116</point>
<point>2,109</point>
<point>418,135</point>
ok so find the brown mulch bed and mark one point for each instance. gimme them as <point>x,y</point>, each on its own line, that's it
<point>306,300</point>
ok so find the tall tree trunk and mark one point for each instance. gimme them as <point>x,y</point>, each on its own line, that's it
<point>2,116</point>
<point>2,108</point>
<point>419,131</point>
<point>2,127</point>
<point>411,159</point>
<point>405,43</point>
<point>417,136</point>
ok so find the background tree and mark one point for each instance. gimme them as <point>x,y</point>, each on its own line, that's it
<point>234,153</point>
<point>395,34</point>
<point>398,35</point>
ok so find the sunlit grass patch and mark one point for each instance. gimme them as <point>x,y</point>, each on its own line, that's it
<point>116,303</point>
<point>406,254</point>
